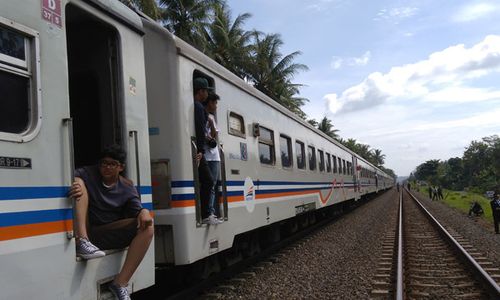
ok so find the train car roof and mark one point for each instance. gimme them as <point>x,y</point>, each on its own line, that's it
<point>120,12</point>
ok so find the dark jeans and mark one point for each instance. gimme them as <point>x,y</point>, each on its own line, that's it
<point>206,184</point>
<point>496,221</point>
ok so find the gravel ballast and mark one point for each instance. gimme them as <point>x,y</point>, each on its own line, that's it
<point>338,262</point>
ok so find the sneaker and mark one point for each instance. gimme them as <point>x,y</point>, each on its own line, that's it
<point>120,292</point>
<point>211,220</point>
<point>86,250</point>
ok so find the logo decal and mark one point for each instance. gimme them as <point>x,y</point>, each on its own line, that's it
<point>249,194</point>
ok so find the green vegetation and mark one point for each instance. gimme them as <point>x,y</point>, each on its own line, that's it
<point>478,170</point>
<point>463,200</point>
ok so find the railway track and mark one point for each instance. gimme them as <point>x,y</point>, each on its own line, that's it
<point>428,262</point>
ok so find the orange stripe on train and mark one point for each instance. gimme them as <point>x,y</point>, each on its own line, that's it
<point>23,231</point>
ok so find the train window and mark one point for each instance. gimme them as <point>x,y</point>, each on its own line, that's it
<point>340,165</point>
<point>300,154</point>
<point>20,103</point>
<point>286,151</point>
<point>266,146</point>
<point>328,163</point>
<point>344,166</point>
<point>349,169</point>
<point>311,154</point>
<point>334,159</point>
<point>321,161</point>
<point>236,125</point>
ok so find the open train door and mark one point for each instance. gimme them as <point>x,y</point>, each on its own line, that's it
<point>107,99</point>
<point>356,177</point>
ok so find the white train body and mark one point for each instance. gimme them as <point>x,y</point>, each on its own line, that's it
<point>124,79</point>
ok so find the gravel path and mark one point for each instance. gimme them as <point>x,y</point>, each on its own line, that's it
<point>338,262</point>
<point>478,232</point>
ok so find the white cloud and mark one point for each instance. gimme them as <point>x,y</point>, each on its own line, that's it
<point>396,14</point>
<point>443,72</point>
<point>475,11</point>
<point>338,62</point>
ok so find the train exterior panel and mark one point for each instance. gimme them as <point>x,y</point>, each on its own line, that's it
<point>37,251</point>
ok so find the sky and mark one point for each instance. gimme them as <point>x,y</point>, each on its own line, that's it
<point>417,79</point>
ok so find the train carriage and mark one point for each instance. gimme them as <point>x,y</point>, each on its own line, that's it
<point>64,64</point>
<point>274,165</point>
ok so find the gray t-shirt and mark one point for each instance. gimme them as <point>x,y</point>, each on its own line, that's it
<point>108,205</point>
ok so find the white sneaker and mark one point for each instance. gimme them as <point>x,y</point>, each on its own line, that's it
<point>211,220</point>
<point>86,250</point>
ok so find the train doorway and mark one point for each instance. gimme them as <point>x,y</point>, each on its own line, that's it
<point>93,67</point>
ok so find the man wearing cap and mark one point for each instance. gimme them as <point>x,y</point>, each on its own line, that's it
<point>495,209</point>
<point>200,89</point>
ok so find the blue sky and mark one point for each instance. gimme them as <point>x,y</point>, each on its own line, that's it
<point>417,79</point>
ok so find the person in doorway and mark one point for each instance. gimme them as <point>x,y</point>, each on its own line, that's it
<point>495,210</point>
<point>212,156</point>
<point>109,215</point>
<point>201,89</point>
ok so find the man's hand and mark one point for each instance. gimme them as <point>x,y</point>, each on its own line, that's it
<point>144,219</point>
<point>198,158</point>
<point>75,191</point>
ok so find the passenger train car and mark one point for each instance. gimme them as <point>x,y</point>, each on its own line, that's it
<point>76,75</point>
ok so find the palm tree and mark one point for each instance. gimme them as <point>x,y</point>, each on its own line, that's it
<point>378,157</point>
<point>271,73</point>
<point>187,19</point>
<point>149,7</point>
<point>327,127</point>
<point>226,42</point>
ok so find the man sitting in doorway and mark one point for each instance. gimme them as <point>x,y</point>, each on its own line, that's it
<point>109,215</point>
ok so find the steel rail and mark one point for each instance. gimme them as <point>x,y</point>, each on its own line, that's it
<point>399,282</point>
<point>491,286</point>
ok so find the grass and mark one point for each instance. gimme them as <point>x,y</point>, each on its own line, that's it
<point>462,201</point>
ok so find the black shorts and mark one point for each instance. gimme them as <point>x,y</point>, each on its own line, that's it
<point>116,235</point>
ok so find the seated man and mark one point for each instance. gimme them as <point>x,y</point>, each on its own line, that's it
<point>109,215</point>
<point>475,209</point>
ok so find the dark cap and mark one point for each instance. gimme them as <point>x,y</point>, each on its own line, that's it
<point>201,83</point>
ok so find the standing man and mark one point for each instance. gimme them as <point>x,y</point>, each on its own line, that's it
<point>109,215</point>
<point>200,89</point>
<point>439,193</point>
<point>212,156</point>
<point>495,209</point>
<point>430,192</point>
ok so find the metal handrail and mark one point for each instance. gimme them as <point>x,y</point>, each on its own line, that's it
<point>489,283</point>
<point>69,123</point>
<point>196,182</point>
<point>133,134</point>
<point>399,284</point>
<point>223,181</point>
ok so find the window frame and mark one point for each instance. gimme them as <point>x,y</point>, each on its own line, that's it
<point>232,131</point>
<point>328,162</point>
<point>290,150</point>
<point>30,69</point>
<point>303,148</point>
<point>270,143</point>
<point>321,160</point>
<point>334,159</point>
<point>312,165</point>
<point>344,169</point>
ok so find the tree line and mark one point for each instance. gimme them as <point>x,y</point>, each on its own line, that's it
<point>254,56</point>
<point>477,170</point>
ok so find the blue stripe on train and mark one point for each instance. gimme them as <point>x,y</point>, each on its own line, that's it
<point>190,183</point>
<point>42,192</point>
<point>41,216</point>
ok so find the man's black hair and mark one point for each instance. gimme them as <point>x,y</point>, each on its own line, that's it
<point>211,97</point>
<point>115,152</point>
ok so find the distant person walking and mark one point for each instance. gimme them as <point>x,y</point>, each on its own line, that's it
<point>495,209</point>
<point>409,186</point>
<point>439,193</point>
<point>397,186</point>
<point>430,192</point>
<point>434,194</point>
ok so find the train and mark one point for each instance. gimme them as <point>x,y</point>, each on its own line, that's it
<point>76,75</point>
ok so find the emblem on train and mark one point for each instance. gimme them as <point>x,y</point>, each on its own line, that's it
<point>249,194</point>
